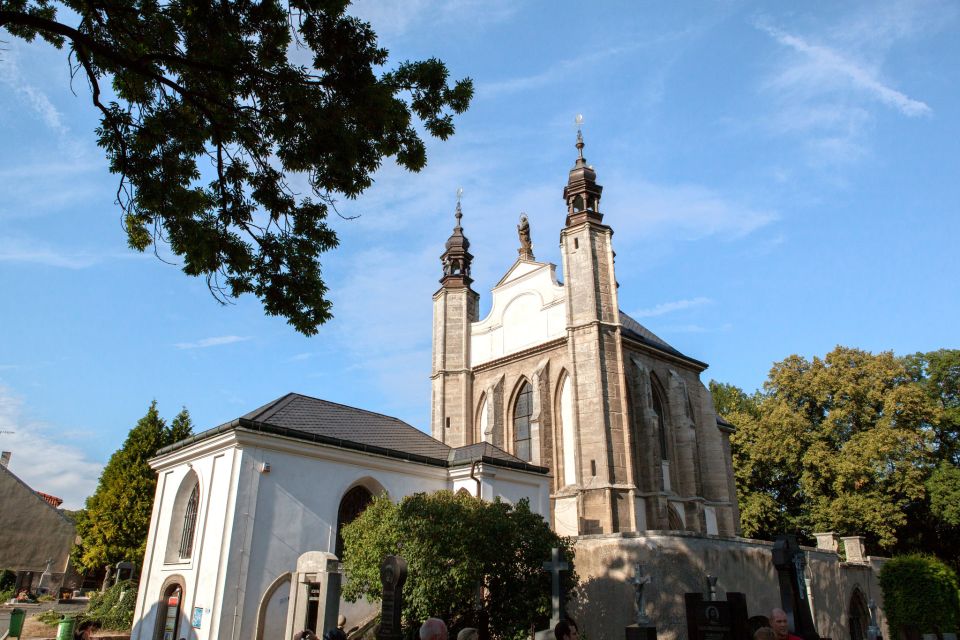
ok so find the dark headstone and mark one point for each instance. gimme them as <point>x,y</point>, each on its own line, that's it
<point>790,561</point>
<point>393,573</point>
<point>717,619</point>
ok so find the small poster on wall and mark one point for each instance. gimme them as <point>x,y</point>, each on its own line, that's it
<point>197,617</point>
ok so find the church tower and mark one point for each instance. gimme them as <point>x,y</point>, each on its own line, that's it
<point>455,308</point>
<point>604,473</point>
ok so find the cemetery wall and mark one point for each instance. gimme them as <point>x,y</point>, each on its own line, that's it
<point>679,564</point>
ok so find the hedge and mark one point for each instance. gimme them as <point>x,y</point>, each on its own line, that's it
<point>921,594</point>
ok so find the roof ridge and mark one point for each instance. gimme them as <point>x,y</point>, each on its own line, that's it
<point>259,412</point>
<point>367,411</point>
<point>34,493</point>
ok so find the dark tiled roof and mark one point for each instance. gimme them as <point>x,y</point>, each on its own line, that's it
<point>633,329</point>
<point>314,420</point>
<point>320,417</point>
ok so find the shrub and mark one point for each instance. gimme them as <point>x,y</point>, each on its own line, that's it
<point>8,580</point>
<point>921,594</point>
<point>112,609</point>
<point>49,617</point>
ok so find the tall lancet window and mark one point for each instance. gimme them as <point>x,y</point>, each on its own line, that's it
<point>189,523</point>
<point>522,411</point>
<point>661,424</point>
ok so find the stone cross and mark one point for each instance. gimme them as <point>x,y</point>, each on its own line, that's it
<point>393,573</point>
<point>639,582</point>
<point>790,563</point>
<point>711,588</point>
<point>555,566</point>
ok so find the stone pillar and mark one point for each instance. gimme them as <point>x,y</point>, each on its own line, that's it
<point>827,541</point>
<point>854,549</point>
<point>314,594</point>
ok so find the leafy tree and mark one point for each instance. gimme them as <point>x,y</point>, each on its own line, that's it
<point>921,594</point>
<point>848,443</point>
<point>114,525</point>
<point>208,110</point>
<point>455,544</point>
<point>944,489</point>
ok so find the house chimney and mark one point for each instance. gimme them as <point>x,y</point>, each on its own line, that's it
<point>4,459</point>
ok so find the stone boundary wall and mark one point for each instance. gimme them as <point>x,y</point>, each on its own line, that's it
<point>679,563</point>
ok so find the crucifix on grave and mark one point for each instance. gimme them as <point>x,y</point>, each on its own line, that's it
<point>643,627</point>
<point>555,566</point>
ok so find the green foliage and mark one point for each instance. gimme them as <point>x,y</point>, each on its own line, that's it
<point>848,443</point>
<point>113,526</point>
<point>944,488</point>
<point>6,594</point>
<point>208,111</point>
<point>921,594</point>
<point>49,617</point>
<point>454,543</point>
<point>8,579</point>
<point>112,609</point>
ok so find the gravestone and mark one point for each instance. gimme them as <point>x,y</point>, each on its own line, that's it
<point>393,573</point>
<point>555,566</point>
<point>717,619</point>
<point>124,571</point>
<point>314,602</point>
<point>642,627</point>
<point>790,561</point>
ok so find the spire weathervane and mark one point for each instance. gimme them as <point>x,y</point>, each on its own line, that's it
<point>579,122</point>
<point>459,213</point>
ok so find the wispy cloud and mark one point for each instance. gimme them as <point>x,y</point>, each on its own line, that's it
<point>399,18</point>
<point>30,95</point>
<point>669,307</point>
<point>211,342</point>
<point>25,250</point>
<point>554,73</point>
<point>40,457</point>
<point>827,65</point>
<point>689,211</point>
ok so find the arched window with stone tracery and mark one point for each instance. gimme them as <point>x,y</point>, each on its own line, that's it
<point>522,412</point>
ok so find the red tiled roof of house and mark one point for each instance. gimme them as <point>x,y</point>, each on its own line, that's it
<point>54,501</point>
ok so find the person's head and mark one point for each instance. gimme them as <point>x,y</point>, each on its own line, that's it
<point>566,630</point>
<point>468,633</point>
<point>764,633</point>
<point>341,621</point>
<point>433,629</point>
<point>779,623</point>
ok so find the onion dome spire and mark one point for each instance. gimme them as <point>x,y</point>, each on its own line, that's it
<point>582,193</point>
<point>456,259</point>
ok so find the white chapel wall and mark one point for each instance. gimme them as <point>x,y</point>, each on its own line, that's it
<point>527,309</point>
<point>201,573</point>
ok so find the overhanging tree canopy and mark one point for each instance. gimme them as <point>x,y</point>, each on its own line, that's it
<point>205,117</point>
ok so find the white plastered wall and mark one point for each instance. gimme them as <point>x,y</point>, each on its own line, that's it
<point>527,309</point>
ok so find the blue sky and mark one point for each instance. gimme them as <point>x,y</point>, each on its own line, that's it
<point>781,178</point>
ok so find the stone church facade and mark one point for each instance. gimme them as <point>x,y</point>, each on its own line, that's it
<point>559,376</point>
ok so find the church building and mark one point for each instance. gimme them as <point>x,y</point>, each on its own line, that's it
<point>560,377</point>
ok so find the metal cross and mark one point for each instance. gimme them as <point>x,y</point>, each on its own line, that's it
<point>555,566</point>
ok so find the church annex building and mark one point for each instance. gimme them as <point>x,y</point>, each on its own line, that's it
<point>556,396</point>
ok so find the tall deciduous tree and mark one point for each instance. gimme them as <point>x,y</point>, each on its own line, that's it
<point>458,548</point>
<point>209,109</point>
<point>849,443</point>
<point>114,524</point>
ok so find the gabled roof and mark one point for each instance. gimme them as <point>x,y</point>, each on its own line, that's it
<point>521,268</point>
<point>633,329</point>
<point>323,422</point>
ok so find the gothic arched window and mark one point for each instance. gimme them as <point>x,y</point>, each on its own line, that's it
<point>522,410</point>
<point>661,425</point>
<point>189,523</point>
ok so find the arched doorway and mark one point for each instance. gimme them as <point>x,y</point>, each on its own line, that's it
<point>169,609</point>
<point>859,615</point>
<point>351,506</point>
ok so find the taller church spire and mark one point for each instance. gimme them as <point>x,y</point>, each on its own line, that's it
<point>582,192</point>
<point>456,259</point>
